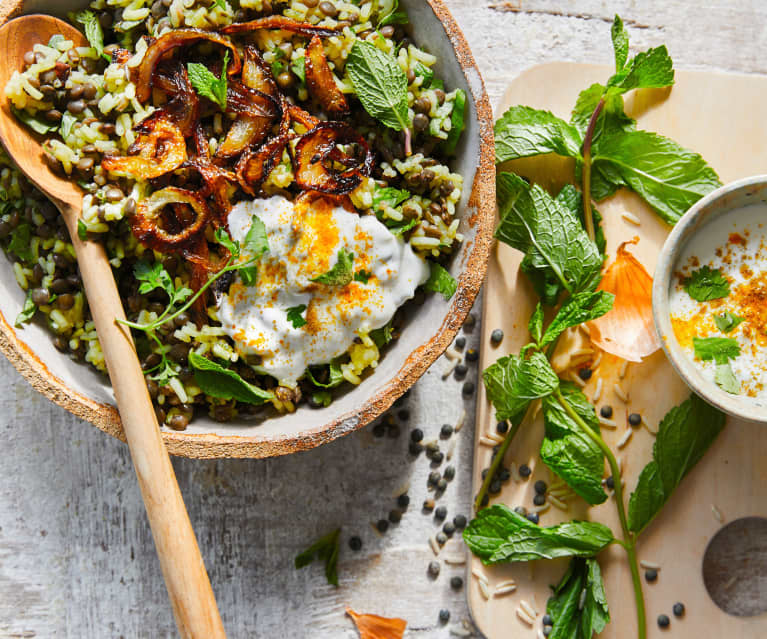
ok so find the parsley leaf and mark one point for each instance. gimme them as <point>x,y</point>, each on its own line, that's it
<point>579,604</point>
<point>707,284</point>
<point>719,349</point>
<point>295,316</point>
<point>153,276</point>
<point>567,450</point>
<point>217,381</point>
<point>341,273</point>
<point>92,29</point>
<point>21,242</point>
<point>223,238</point>
<point>523,132</point>
<point>362,276</point>
<point>556,246</point>
<point>388,196</point>
<point>684,435</point>
<point>499,535</point>
<point>27,311</point>
<point>298,67</point>
<point>440,281</point>
<point>727,321</point>
<point>208,85</point>
<point>513,382</point>
<point>725,379</point>
<point>324,549</point>
<point>256,240</point>
<point>380,84</point>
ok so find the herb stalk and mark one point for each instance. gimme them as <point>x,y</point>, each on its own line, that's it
<point>586,187</point>
<point>497,461</point>
<point>629,540</point>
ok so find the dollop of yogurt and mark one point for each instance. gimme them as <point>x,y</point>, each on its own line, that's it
<point>304,242</point>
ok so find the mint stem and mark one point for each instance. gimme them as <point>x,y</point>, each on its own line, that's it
<point>408,142</point>
<point>588,216</point>
<point>629,541</point>
<point>498,460</point>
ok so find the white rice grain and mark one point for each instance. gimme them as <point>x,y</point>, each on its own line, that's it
<point>540,509</point>
<point>453,354</point>
<point>558,503</point>
<point>626,437</point>
<point>576,378</point>
<point>631,218</point>
<point>624,368</point>
<point>597,391</point>
<point>451,449</point>
<point>717,514</point>
<point>649,565</point>
<point>449,370</point>
<point>597,362</point>
<point>528,608</point>
<point>608,423</point>
<point>479,574</point>
<point>486,441</point>
<point>461,420</point>
<point>504,590</point>
<point>459,631</point>
<point>523,616</point>
<point>620,393</point>
<point>483,588</point>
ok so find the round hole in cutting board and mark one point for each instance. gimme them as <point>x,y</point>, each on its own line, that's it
<point>735,567</point>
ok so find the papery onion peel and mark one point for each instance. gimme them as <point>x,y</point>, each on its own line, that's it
<point>626,330</point>
<point>375,627</point>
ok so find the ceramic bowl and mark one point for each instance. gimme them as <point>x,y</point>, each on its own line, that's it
<point>426,334</point>
<point>694,225</point>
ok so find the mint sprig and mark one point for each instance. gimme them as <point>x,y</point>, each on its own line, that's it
<point>208,85</point>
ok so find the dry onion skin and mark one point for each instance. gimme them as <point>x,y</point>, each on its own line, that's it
<point>627,330</point>
<point>375,627</point>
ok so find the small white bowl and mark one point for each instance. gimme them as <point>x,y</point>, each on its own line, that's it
<point>741,193</point>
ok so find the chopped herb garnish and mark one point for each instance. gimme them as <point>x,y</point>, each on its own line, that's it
<point>707,284</point>
<point>341,273</point>
<point>362,276</point>
<point>719,349</point>
<point>217,381</point>
<point>208,85</point>
<point>27,311</point>
<point>440,281</point>
<point>727,321</point>
<point>295,315</point>
<point>82,230</point>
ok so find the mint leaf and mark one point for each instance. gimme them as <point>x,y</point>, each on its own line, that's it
<point>21,242</point>
<point>27,311</point>
<point>667,176</point>
<point>719,349</point>
<point>402,227</point>
<point>341,273</point>
<point>499,535</point>
<point>322,398</point>
<point>217,381</point>
<point>684,435</point>
<point>579,604</point>
<point>82,231</point>
<point>388,196</point>
<point>571,198</point>
<point>362,276</point>
<point>38,126</point>
<point>380,84</point>
<point>707,284</point>
<point>523,132</point>
<point>569,452</point>
<point>513,382</point>
<point>612,117</point>
<point>727,321</point>
<point>92,29</point>
<point>440,281</point>
<point>208,85</point>
<point>725,379</point>
<point>335,376</point>
<point>295,315</point>
<point>581,307</point>
<point>324,549</point>
<point>457,122</point>
<point>651,69</point>
<point>424,72</point>
<point>550,234</point>
<point>535,325</point>
<point>620,38</point>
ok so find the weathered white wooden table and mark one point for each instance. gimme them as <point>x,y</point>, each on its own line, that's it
<point>76,557</point>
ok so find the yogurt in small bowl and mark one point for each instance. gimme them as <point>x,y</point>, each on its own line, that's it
<point>710,298</point>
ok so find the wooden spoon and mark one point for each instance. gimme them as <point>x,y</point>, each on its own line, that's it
<point>194,605</point>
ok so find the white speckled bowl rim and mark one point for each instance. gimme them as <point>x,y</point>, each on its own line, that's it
<point>751,190</point>
<point>80,390</point>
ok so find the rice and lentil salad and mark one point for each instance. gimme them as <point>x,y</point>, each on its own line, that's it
<point>192,127</point>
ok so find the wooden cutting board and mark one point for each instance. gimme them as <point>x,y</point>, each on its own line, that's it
<point>720,116</point>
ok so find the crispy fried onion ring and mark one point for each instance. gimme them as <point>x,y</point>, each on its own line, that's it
<point>279,23</point>
<point>160,148</point>
<point>184,105</point>
<point>256,164</point>
<point>171,40</point>
<point>321,164</point>
<point>181,235</point>
<point>217,181</point>
<point>320,81</point>
<point>256,110</point>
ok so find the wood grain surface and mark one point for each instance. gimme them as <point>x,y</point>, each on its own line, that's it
<point>712,114</point>
<point>75,548</point>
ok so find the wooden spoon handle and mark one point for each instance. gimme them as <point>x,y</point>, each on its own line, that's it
<point>194,605</point>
